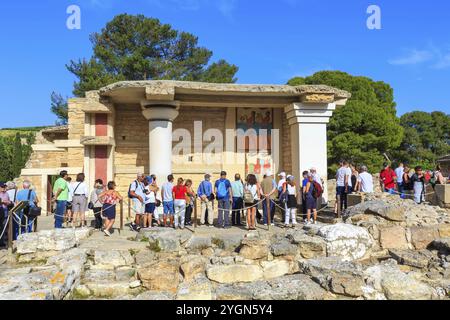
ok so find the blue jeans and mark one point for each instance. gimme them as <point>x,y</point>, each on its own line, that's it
<point>272,211</point>
<point>401,189</point>
<point>59,214</point>
<point>224,213</point>
<point>343,197</point>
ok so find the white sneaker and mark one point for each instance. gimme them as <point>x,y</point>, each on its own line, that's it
<point>265,224</point>
<point>315,222</point>
<point>107,233</point>
<point>272,224</point>
<point>311,220</point>
<point>294,223</point>
<point>305,221</point>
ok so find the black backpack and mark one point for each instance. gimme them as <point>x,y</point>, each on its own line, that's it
<point>129,190</point>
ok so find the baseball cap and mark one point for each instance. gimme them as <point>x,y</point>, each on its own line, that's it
<point>282,174</point>
<point>2,185</point>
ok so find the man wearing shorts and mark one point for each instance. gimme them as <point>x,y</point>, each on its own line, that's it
<point>168,203</point>
<point>137,194</point>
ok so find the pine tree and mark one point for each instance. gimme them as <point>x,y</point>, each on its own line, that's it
<point>17,156</point>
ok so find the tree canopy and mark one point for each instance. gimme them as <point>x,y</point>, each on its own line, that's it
<point>135,47</point>
<point>367,126</point>
<point>60,108</point>
<point>427,137</point>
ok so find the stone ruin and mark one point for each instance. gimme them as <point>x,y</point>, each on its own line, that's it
<point>384,248</point>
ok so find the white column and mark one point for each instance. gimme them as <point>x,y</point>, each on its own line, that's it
<point>160,117</point>
<point>308,124</point>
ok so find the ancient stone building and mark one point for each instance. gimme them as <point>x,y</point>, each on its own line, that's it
<point>141,126</point>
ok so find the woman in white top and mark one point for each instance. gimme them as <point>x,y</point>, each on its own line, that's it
<point>292,199</point>
<point>80,201</point>
<point>252,187</point>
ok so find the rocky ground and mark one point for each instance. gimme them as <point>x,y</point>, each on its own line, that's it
<point>385,248</point>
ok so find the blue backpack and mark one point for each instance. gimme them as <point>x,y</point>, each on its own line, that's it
<point>222,190</point>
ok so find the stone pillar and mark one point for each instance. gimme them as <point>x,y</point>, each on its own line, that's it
<point>160,116</point>
<point>308,125</point>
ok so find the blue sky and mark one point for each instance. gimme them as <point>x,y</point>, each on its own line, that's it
<point>270,41</point>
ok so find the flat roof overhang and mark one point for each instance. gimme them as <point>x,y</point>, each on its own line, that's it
<point>220,95</point>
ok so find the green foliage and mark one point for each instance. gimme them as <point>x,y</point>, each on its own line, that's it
<point>14,153</point>
<point>134,47</point>
<point>367,126</point>
<point>427,137</point>
<point>60,108</point>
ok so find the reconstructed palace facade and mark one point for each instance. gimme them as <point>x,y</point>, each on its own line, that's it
<point>163,127</point>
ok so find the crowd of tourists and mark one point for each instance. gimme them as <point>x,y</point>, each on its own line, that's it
<point>239,202</point>
<point>234,199</point>
<point>404,181</point>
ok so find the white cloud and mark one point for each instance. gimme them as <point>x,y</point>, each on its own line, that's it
<point>413,57</point>
<point>436,57</point>
<point>225,7</point>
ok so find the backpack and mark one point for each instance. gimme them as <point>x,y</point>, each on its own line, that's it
<point>283,196</point>
<point>433,179</point>
<point>129,190</point>
<point>222,190</point>
<point>248,196</point>
<point>318,190</point>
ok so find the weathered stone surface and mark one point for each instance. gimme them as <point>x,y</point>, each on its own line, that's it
<point>198,243</point>
<point>234,273</point>
<point>283,247</point>
<point>417,259</point>
<point>291,287</point>
<point>161,239</point>
<point>160,276</point>
<point>346,241</point>
<point>51,282</point>
<point>393,237</point>
<point>144,257</point>
<point>198,288</point>
<point>422,237</point>
<point>389,211</point>
<point>155,295</point>
<point>396,285</point>
<point>109,289</point>
<point>254,249</point>
<point>113,258</point>
<point>444,230</point>
<point>227,242</point>
<point>192,266</point>
<point>125,273</point>
<point>341,277</point>
<point>309,247</point>
<point>50,240</point>
<point>275,268</point>
<point>99,276</point>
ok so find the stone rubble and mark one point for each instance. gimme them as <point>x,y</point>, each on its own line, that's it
<point>384,248</point>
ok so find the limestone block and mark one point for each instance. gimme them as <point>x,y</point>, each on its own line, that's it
<point>234,273</point>
<point>422,237</point>
<point>393,238</point>
<point>346,241</point>
<point>160,276</point>
<point>275,268</point>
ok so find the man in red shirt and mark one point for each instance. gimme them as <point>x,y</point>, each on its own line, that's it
<point>388,179</point>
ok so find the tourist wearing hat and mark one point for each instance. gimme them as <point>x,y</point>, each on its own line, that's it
<point>205,193</point>
<point>269,190</point>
